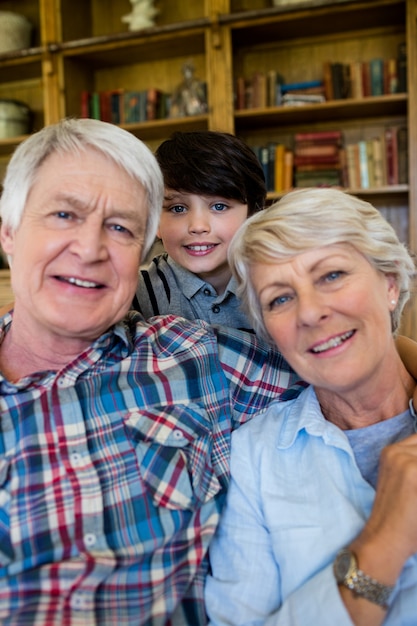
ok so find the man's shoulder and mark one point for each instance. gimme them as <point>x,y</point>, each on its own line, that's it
<point>170,332</point>
<point>173,333</point>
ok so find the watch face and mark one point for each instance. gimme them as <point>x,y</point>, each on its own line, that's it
<point>342,565</point>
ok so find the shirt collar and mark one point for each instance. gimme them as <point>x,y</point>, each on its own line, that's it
<point>191,284</point>
<point>304,413</point>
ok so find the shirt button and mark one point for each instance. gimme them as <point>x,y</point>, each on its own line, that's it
<point>77,601</point>
<point>206,291</point>
<point>177,434</point>
<point>75,458</point>
<point>216,309</point>
<point>90,539</point>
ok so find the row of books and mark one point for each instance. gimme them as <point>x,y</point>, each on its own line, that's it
<point>120,106</point>
<point>379,161</point>
<point>329,159</point>
<point>356,79</point>
<point>359,79</point>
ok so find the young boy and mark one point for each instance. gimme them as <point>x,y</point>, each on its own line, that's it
<point>213,182</point>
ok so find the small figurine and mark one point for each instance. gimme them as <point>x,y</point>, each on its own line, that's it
<point>142,15</point>
<point>190,97</point>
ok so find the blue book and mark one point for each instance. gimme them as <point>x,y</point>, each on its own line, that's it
<point>303,85</point>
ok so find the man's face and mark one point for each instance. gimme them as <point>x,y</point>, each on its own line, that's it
<point>76,253</point>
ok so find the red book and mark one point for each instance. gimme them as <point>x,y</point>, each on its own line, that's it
<point>320,149</point>
<point>85,104</point>
<point>392,155</point>
<point>310,160</point>
<point>324,135</point>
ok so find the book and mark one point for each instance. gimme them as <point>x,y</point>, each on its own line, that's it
<point>390,76</point>
<point>376,77</point>
<point>352,159</point>
<point>319,136</point>
<point>356,86</point>
<point>327,80</point>
<point>116,106</point>
<point>85,104</point>
<point>259,93</point>
<point>391,155</point>
<point>402,67</point>
<point>94,107</point>
<point>402,150</point>
<point>370,163</point>
<point>378,162</point>
<point>338,80</point>
<point>366,79</point>
<point>316,160</point>
<point>319,149</point>
<point>279,167</point>
<point>288,169</point>
<point>153,96</point>
<point>363,164</point>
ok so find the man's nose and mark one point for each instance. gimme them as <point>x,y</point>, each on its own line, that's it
<point>90,243</point>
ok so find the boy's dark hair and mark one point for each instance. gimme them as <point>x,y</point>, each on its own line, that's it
<point>213,163</point>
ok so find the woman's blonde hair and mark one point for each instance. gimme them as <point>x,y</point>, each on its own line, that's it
<point>309,218</point>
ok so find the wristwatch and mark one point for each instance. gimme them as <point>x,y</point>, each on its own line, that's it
<point>347,573</point>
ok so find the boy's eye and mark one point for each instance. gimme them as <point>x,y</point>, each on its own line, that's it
<point>219,207</point>
<point>178,208</point>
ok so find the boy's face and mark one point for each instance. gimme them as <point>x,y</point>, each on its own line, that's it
<point>196,232</point>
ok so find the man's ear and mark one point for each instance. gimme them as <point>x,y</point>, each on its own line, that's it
<point>7,239</point>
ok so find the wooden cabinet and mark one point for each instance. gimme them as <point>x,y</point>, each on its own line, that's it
<point>83,45</point>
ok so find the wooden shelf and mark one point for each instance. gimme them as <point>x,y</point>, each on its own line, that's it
<point>83,45</point>
<point>395,104</point>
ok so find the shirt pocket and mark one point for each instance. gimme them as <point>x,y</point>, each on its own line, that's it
<point>174,446</point>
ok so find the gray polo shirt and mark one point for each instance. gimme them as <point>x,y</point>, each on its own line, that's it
<point>165,287</point>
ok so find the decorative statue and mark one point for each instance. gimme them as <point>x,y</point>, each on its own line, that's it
<point>142,15</point>
<point>190,97</point>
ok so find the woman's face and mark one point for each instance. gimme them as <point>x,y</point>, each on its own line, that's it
<point>328,311</point>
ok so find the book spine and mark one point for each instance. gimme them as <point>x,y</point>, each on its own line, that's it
<point>363,165</point>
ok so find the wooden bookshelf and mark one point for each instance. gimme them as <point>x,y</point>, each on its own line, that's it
<point>84,45</point>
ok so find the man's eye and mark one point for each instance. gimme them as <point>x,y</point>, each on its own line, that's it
<point>120,229</point>
<point>64,215</point>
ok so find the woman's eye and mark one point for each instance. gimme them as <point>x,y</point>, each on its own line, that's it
<point>332,276</point>
<point>279,301</point>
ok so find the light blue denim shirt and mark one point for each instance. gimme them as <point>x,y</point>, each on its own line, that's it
<point>296,497</point>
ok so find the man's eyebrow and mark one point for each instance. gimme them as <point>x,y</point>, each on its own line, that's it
<point>78,203</point>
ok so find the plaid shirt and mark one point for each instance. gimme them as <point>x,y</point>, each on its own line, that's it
<point>114,469</point>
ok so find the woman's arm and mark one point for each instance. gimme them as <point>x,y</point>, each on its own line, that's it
<point>407,349</point>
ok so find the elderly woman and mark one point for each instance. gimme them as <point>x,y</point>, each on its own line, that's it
<point>320,526</point>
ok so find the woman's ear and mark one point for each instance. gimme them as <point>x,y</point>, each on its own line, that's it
<point>393,291</point>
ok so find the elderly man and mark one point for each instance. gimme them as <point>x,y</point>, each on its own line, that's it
<point>115,433</point>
